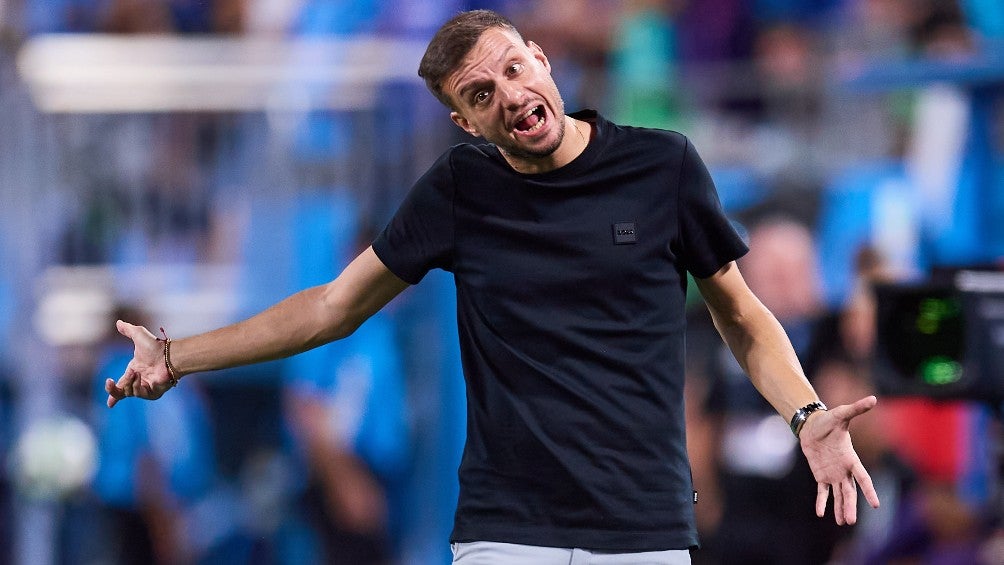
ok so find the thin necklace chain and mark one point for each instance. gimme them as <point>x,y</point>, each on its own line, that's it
<point>575,124</point>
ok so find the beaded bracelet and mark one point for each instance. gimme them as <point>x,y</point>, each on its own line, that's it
<point>172,375</point>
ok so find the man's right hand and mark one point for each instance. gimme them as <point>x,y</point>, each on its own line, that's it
<point>146,375</point>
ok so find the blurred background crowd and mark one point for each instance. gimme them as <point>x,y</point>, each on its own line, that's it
<point>185,163</point>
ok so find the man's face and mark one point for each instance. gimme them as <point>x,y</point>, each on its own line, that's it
<point>503,92</point>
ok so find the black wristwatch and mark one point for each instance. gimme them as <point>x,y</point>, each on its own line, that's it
<point>802,414</point>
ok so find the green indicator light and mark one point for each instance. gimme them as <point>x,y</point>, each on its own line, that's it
<point>940,371</point>
<point>934,311</point>
<point>927,325</point>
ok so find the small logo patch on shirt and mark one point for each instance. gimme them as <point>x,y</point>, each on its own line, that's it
<point>624,232</point>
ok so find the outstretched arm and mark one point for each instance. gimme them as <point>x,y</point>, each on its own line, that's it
<point>760,345</point>
<point>305,320</point>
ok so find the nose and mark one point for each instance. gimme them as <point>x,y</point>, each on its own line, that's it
<point>511,93</point>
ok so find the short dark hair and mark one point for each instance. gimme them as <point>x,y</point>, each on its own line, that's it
<point>452,42</point>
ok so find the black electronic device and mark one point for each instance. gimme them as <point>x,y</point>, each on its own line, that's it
<point>942,339</point>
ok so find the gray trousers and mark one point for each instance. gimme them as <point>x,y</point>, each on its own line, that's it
<point>495,553</point>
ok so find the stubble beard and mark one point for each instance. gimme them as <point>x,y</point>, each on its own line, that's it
<point>513,150</point>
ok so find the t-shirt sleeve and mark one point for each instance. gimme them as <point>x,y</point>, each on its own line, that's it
<point>708,240</point>
<point>419,237</point>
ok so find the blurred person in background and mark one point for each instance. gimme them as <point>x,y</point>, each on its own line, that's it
<point>788,68</point>
<point>346,407</point>
<point>645,89</point>
<point>569,240</point>
<point>856,319</point>
<point>345,404</point>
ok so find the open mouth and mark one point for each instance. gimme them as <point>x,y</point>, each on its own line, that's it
<point>531,121</point>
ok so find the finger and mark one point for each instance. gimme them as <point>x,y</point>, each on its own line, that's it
<point>865,483</point>
<point>838,505</point>
<point>127,379</point>
<point>822,494</point>
<point>850,501</point>
<point>123,327</point>
<point>132,331</point>
<point>114,393</point>
<point>125,384</point>
<point>848,412</point>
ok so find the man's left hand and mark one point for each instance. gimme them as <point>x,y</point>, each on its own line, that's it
<point>826,443</point>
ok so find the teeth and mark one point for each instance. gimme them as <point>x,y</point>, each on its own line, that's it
<point>537,126</point>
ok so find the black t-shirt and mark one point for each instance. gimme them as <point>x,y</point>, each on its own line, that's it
<point>570,294</point>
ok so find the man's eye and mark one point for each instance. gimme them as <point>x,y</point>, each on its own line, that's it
<point>515,68</point>
<point>481,96</point>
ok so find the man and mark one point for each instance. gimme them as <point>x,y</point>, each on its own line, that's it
<point>569,238</point>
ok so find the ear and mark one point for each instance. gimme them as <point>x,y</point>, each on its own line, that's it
<point>538,54</point>
<point>464,124</point>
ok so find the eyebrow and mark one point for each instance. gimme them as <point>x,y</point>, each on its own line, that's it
<point>465,87</point>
